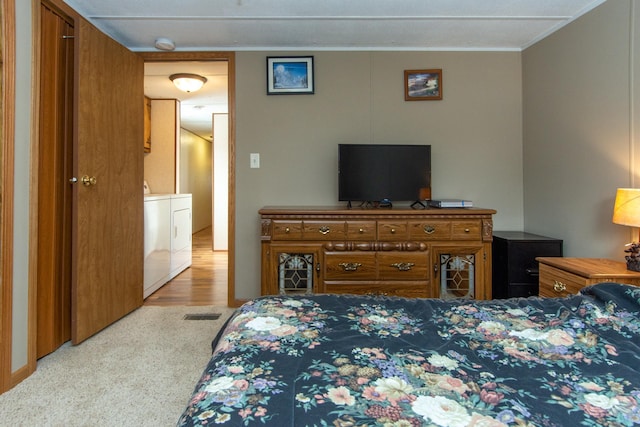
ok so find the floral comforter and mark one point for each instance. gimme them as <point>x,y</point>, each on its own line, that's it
<point>332,360</point>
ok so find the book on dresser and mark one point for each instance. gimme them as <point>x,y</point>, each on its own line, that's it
<point>450,203</point>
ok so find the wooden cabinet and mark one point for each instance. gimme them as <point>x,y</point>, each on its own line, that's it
<point>405,252</point>
<point>560,277</point>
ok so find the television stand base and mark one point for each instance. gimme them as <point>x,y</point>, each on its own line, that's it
<point>384,204</point>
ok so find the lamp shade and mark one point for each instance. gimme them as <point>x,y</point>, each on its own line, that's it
<point>188,82</point>
<point>626,210</point>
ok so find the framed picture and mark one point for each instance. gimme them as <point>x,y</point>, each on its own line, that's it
<point>422,85</point>
<point>291,75</point>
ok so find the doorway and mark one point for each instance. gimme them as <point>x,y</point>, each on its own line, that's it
<point>229,58</point>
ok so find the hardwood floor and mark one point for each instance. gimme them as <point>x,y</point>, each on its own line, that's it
<point>204,283</point>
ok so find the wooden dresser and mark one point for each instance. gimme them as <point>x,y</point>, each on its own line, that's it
<point>443,253</point>
<point>560,277</point>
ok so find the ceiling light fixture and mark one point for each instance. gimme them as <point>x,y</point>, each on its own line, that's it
<point>187,82</point>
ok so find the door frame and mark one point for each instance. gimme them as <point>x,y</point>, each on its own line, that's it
<point>231,96</point>
<point>7,146</point>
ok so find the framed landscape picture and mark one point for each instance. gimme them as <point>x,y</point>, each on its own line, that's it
<point>291,75</point>
<point>423,85</point>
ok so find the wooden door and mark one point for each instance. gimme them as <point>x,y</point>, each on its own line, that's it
<point>108,217</point>
<point>54,191</point>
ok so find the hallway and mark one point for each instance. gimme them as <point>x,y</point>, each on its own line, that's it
<point>204,283</point>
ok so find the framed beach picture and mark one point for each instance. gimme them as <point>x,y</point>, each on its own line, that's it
<point>291,75</point>
<point>422,85</point>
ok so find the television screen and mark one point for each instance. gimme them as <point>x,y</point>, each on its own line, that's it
<point>383,172</point>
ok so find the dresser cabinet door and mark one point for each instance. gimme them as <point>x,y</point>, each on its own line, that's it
<point>292,269</point>
<point>458,271</point>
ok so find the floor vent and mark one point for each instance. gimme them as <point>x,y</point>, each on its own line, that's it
<point>202,316</point>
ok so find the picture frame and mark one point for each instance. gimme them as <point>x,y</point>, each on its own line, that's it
<point>423,85</point>
<point>290,75</point>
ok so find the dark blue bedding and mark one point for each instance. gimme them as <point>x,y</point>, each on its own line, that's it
<point>338,360</point>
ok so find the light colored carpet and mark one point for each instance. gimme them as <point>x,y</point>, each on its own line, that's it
<point>140,371</point>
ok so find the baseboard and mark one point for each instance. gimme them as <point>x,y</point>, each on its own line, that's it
<point>20,375</point>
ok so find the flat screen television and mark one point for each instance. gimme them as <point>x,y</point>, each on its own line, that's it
<point>383,173</point>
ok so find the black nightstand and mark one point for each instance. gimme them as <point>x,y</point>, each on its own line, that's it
<point>515,269</point>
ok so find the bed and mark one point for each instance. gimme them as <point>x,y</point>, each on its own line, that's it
<point>343,360</point>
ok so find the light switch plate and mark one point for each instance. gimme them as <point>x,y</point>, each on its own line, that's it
<point>254,160</point>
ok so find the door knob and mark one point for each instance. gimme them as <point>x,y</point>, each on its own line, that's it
<point>88,180</point>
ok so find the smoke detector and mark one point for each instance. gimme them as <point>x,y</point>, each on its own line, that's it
<point>164,43</point>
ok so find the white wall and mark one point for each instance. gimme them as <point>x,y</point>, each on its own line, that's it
<point>220,182</point>
<point>195,177</point>
<point>580,131</point>
<point>475,133</point>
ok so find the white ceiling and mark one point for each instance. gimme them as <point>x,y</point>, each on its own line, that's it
<point>331,24</point>
<point>308,25</point>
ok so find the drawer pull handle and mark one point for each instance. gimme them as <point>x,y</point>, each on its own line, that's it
<point>393,231</point>
<point>350,266</point>
<point>287,230</point>
<point>429,229</point>
<point>403,266</point>
<point>324,230</point>
<point>361,231</point>
<point>466,230</point>
<point>559,286</point>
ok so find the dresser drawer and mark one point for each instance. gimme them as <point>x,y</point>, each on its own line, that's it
<point>402,265</point>
<point>350,266</point>
<point>389,231</point>
<point>466,230</point>
<point>559,283</point>
<point>430,230</point>
<point>361,230</point>
<point>407,290</point>
<point>324,230</point>
<point>286,230</point>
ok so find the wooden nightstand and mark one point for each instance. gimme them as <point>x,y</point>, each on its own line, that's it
<point>560,277</point>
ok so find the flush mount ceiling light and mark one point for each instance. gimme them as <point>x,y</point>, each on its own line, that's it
<point>187,82</point>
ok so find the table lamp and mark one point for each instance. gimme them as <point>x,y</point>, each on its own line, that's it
<point>626,211</point>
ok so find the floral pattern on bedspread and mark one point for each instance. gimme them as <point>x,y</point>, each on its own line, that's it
<point>526,337</point>
<point>331,360</point>
<point>376,319</point>
<point>279,325</point>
